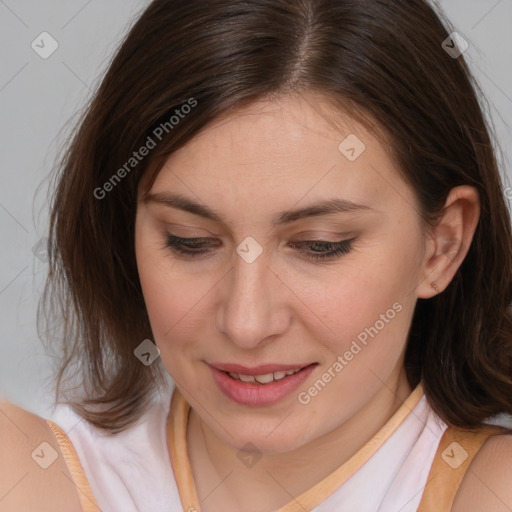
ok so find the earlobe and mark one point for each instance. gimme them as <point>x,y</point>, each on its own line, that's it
<point>450,240</point>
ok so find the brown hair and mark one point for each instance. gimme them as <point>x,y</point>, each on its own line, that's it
<point>376,60</point>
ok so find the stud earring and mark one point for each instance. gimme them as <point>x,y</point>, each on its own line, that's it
<point>434,286</point>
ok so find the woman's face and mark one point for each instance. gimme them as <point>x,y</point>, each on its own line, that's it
<point>252,297</point>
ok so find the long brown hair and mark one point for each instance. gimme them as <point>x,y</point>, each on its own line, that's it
<point>375,59</point>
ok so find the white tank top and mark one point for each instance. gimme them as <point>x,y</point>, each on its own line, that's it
<point>132,471</point>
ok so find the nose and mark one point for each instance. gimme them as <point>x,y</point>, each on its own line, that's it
<point>252,309</point>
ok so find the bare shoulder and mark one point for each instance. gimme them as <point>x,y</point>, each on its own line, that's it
<point>33,474</point>
<point>487,485</point>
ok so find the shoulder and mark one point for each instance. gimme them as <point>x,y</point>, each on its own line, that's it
<point>487,484</point>
<point>33,474</point>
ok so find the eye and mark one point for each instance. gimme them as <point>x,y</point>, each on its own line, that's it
<point>192,247</point>
<point>320,249</point>
<point>315,249</point>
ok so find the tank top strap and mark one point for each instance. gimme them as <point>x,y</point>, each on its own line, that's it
<point>454,454</point>
<point>87,500</point>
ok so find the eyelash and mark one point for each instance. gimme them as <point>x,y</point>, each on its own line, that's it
<point>337,249</point>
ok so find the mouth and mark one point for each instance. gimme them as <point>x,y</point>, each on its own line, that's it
<point>261,385</point>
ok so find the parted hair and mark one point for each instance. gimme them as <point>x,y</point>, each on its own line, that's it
<point>382,62</point>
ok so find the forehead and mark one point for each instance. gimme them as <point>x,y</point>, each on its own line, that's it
<point>274,132</point>
<point>275,154</point>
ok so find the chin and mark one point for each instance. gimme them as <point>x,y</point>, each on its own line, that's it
<point>259,441</point>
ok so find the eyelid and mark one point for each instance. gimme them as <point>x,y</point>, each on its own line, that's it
<point>306,236</point>
<point>176,227</point>
<point>323,236</point>
<point>315,233</point>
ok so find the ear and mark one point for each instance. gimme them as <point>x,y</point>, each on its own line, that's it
<point>448,244</point>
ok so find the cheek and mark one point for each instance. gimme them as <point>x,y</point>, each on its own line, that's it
<point>169,300</point>
<point>161,286</point>
<point>175,300</point>
<point>171,315</point>
<point>366,310</point>
<point>361,317</point>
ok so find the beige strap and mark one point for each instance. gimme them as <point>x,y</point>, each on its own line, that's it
<point>455,452</point>
<point>177,444</point>
<point>87,500</point>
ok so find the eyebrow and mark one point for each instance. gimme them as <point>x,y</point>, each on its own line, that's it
<point>326,207</point>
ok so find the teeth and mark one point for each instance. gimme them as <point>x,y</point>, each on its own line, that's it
<point>263,379</point>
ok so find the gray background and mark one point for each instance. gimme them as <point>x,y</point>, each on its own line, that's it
<point>40,99</point>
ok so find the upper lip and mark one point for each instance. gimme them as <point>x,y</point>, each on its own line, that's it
<point>257,370</point>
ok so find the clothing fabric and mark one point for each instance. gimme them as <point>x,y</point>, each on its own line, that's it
<point>129,471</point>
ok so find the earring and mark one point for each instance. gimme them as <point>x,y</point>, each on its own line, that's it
<point>434,286</point>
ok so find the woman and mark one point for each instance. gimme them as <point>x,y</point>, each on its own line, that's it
<point>293,209</point>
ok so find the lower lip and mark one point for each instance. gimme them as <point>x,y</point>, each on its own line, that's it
<point>260,394</point>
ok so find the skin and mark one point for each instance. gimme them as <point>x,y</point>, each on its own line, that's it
<point>24,484</point>
<point>284,308</point>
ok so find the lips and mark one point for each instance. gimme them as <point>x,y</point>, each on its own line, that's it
<point>259,385</point>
